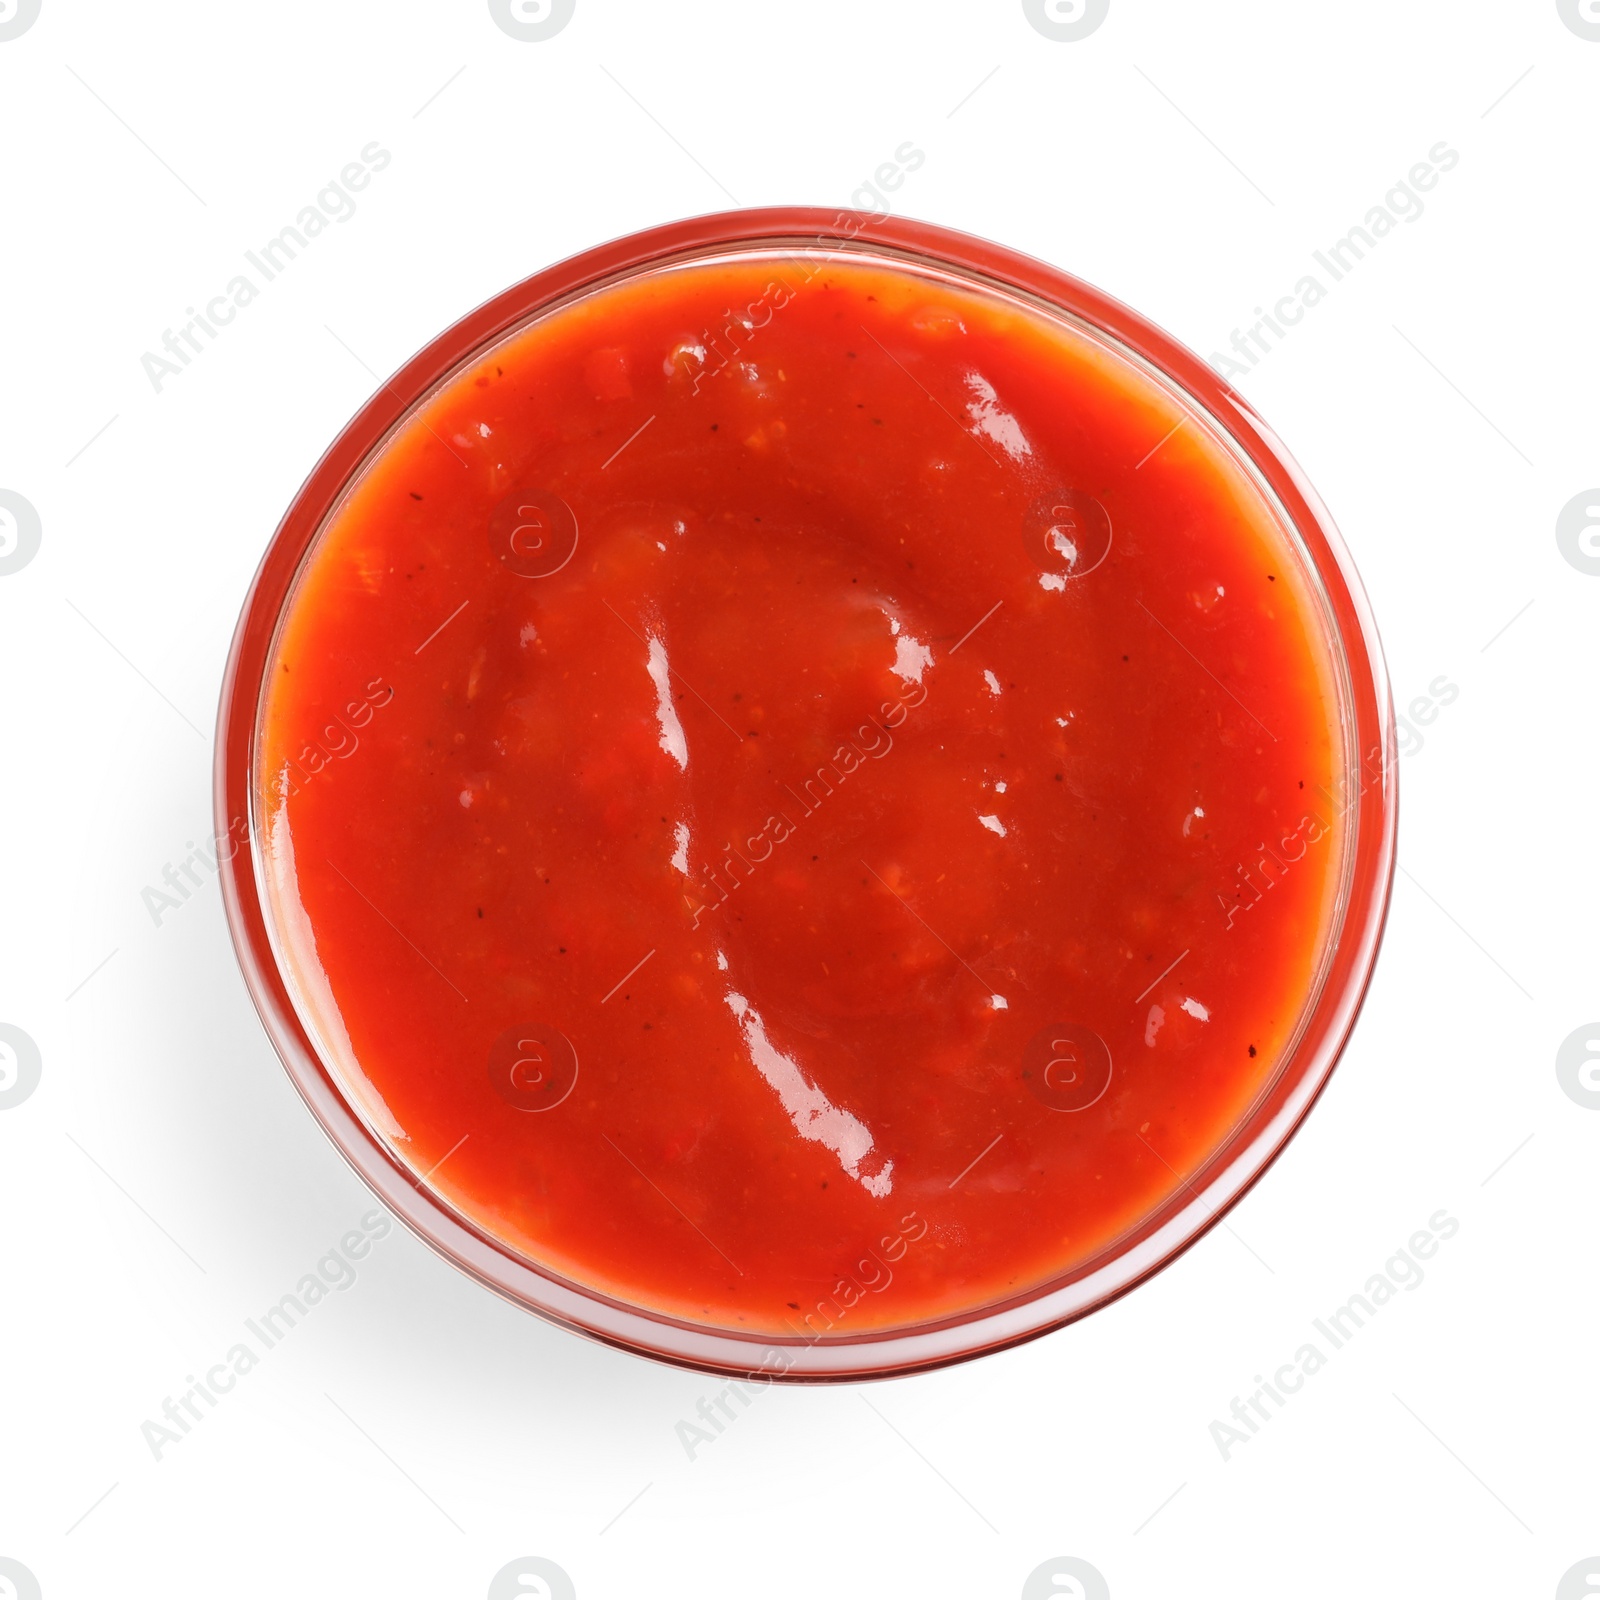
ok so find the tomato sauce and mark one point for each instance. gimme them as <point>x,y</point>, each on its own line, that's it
<point>795,794</point>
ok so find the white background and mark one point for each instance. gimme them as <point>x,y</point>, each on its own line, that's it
<point>164,1181</point>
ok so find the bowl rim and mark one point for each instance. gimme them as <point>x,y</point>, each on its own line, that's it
<point>1369,802</point>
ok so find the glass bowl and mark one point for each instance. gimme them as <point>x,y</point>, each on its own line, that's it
<point>1364,793</point>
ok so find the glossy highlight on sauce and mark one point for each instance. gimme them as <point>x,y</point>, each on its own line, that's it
<point>796,792</point>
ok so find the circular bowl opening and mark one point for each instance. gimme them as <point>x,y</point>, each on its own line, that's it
<point>1068,531</point>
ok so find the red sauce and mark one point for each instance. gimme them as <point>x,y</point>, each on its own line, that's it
<point>807,820</point>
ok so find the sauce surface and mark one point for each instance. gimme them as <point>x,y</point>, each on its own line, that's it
<point>794,791</point>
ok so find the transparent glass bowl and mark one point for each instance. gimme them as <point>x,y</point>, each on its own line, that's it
<point>1366,795</point>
